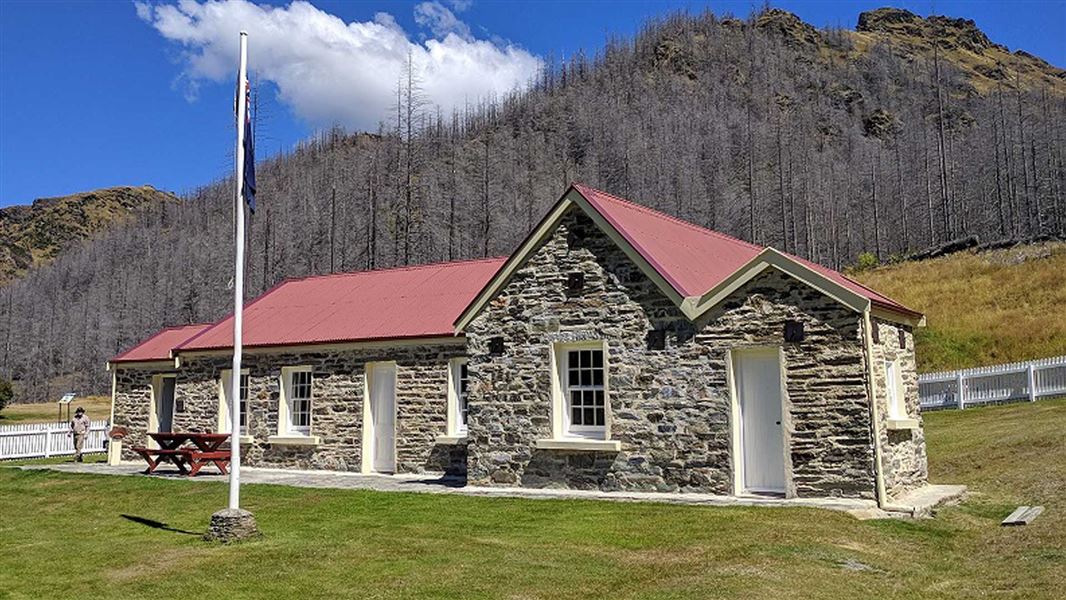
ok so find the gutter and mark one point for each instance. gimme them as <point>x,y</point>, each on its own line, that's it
<point>875,414</point>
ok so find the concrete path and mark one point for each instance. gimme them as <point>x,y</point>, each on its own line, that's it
<point>434,485</point>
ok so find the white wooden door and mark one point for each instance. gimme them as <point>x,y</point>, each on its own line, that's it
<point>758,382</point>
<point>383,415</point>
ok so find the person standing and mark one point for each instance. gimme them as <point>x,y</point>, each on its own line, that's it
<point>79,427</point>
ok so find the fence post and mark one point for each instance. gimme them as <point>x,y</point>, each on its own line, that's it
<point>959,391</point>
<point>47,441</point>
<point>1032,383</point>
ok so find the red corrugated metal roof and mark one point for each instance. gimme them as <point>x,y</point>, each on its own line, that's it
<point>408,302</point>
<point>694,259</point>
<point>691,258</point>
<point>159,345</point>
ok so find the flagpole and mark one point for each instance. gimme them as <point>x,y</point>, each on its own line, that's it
<point>238,286</point>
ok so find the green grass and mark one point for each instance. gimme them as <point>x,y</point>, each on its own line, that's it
<point>983,309</point>
<point>65,535</point>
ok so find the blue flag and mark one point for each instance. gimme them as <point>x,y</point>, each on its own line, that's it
<point>249,156</point>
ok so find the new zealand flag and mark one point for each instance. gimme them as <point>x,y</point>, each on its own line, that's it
<point>249,153</point>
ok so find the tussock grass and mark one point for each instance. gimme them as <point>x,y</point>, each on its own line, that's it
<point>66,535</point>
<point>983,309</point>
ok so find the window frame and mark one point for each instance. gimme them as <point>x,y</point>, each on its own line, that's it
<point>285,406</point>
<point>562,417</point>
<point>224,381</point>
<point>456,396</point>
<point>894,397</point>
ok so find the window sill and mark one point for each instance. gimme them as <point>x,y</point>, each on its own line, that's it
<point>902,424</point>
<point>294,440</point>
<point>579,444</point>
<point>245,439</point>
<point>451,440</point>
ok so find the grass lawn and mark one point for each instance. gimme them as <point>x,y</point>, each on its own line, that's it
<point>97,407</point>
<point>84,535</point>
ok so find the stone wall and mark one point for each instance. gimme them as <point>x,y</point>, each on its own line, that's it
<point>336,410</point>
<point>902,450</point>
<point>670,408</point>
<point>132,404</point>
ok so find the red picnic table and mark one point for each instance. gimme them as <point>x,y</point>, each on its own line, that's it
<point>204,448</point>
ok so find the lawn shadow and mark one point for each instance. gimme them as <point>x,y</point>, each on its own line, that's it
<point>158,525</point>
<point>446,481</point>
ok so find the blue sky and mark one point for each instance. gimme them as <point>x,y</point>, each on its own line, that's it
<point>94,94</point>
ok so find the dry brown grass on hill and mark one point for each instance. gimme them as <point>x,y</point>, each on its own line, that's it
<point>97,407</point>
<point>983,308</point>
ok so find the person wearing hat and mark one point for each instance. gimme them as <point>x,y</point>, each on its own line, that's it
<point>80,428</point>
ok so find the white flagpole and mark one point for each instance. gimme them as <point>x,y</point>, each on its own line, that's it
<point>238,288</point>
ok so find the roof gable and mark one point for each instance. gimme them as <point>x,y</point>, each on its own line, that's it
<point>694,266</point>
<point>691,258</point>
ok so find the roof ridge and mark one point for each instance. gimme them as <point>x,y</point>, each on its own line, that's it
<point>394,269</point>
<point>672,218</point>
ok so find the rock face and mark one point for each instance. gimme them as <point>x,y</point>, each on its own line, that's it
<point>336,408</point>
<point>670,408</point>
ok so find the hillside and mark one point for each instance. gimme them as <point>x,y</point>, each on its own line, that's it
<point>985,64</point>
<point>824,143</point>
<point>983,308</point>
<point>31,236</point>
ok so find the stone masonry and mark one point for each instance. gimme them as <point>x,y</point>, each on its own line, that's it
<point>670,409</point>
<point>337,406</point>
<point>902,450</point>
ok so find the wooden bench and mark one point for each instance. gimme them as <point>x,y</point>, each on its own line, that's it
<point>157,456</point>
<point>198,459</point>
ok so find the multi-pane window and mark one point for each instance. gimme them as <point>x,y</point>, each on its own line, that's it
<point>584,391</point>
<point>227,384</point>
<point>300,401</point>
<point>243,399</point>
<point>457,398</point>
<point>462,383</point>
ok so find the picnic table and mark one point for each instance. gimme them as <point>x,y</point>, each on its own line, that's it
<point>202,449</point>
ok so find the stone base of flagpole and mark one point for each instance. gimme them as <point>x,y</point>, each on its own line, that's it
<point>232,525</point>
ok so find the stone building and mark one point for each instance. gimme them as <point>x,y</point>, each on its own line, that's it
<point>617,348</point>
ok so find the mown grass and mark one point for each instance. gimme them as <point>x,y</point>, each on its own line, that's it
<point>983,309</point>
<point>82,535</point>
<point>97,407</point>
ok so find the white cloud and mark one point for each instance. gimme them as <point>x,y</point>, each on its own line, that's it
<point>329,71</point>
<point>461,5</point>
<point>441,21</point>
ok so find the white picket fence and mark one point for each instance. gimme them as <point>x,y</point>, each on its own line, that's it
<point>41,440</point>
<point>1030,381</point>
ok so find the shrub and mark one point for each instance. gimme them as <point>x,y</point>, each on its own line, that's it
<point>867,261</point>
<point>6,393</point>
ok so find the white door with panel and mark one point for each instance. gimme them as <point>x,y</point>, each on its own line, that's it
<point>383,417</point>
<point>757,375</point>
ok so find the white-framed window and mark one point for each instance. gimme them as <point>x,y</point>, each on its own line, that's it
<point>897,408</point>
<point>458,384</point>
<point>225,408</point>
<point>297,386</point>
<point>582,390</point>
